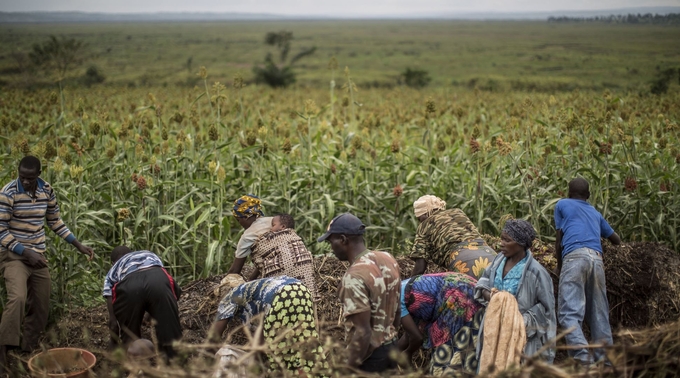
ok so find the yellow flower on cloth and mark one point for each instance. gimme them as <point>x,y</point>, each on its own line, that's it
<point>460,267</point>
<point>480,266</point>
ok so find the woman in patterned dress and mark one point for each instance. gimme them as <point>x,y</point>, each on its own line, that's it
<point>285,308</point>
<point>439,312</point>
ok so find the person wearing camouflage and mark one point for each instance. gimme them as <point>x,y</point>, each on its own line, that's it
<point>369,295</point>
<point>449,239</point>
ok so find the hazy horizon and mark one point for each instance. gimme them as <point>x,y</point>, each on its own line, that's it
<point>348,8</point>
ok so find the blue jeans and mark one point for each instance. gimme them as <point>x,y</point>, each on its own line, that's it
<point>583,296</point>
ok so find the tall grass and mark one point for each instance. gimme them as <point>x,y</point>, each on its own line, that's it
<point>192,152</point>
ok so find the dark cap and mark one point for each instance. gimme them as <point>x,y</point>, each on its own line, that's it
<point>346,224</point>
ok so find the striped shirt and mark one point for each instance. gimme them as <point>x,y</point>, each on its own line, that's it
<point>22,217</point>
<point>128,264</point>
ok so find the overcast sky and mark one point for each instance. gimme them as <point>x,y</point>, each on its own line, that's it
<point>316,7</point>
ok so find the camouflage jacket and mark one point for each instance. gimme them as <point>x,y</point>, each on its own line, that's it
<point>438,235</point>
<point>372,283</point>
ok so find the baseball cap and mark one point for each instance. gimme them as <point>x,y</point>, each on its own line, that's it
<point>346,224</point>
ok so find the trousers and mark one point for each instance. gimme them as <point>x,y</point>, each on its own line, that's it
<point>583,297</point>
<point>149,290</point>
<point>379,360</point>
<point>28,300</point>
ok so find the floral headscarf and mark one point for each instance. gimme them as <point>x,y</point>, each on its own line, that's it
<point>247,206</point>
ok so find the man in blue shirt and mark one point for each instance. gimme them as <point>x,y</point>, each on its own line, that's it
<point>137,283</point>
<point>582,289</point>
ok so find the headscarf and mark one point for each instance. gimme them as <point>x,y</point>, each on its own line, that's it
<point>428,204</point>
<point>521,231</point>
<point>247,206</point>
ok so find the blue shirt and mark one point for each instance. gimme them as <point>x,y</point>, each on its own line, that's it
<point>510,282</point>
<point>582,226</point>
<point>128,264</point>
<point>402,302</point>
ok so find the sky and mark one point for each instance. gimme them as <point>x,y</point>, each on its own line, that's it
<point>321,7</point>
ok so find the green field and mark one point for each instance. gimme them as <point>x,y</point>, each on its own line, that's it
<point>498,55</point>
<point>515,110</point>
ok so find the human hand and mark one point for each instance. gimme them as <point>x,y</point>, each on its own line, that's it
<point>34,259</point>
<point>493,291</point>
<point>85,250</point>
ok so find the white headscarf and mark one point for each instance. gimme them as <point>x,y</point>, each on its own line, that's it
<point>427,204</point>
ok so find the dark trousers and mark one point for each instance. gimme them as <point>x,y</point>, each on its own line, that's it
<point>150,290</point>
<point>379,360</point>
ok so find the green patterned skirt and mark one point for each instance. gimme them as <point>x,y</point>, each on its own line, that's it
<point>290,332</point>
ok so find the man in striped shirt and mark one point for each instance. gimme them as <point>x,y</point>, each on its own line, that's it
<point>137,283</point>
<point>25,204</point>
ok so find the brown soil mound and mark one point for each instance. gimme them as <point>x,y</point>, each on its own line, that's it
<point>643,284</point>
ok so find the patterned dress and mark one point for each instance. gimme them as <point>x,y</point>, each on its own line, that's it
<point>444,308</point>
<point>288,321</point>
<point>449,239</point>
<point>283,253</point>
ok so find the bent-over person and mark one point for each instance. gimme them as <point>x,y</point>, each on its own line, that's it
<point>136,284</point>
<point>281,252</point>
<point>248,213</point>
<point>286,312</point>
<point>449,239</point>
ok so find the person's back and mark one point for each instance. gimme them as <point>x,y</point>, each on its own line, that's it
<point>444,230</point>
<point>281,252</point>
<point>581,224</point>
<point>138,283</point>
<point>377,272</point>
<point>448,238</point>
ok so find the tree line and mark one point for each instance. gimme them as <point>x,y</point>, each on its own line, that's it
<point>648,18</point>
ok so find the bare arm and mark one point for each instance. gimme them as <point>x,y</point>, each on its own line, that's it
<point>615,239</point>
<point>85,250</point>
<point>113,324</point>
<point>216,330</point>
<point>237,266</point>
<point>254,275</point>
<point>397,319</point>
<point>415,338</point>
<point>558,251</point>
<point>419,267</point>
<point>361,338</point>
<point>487,294</point>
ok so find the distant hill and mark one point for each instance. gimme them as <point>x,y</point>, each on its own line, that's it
<point>68,17</point>
<point>50,17</point>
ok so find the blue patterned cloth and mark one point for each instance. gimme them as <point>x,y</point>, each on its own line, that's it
<point>129,263</point>
<point>511,280</point>
<point>251,298</point>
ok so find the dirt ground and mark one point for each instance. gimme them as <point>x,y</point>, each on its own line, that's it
<point>643,282</point>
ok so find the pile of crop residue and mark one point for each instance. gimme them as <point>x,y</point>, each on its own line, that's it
<point>643,282</point>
